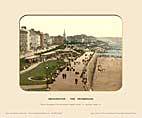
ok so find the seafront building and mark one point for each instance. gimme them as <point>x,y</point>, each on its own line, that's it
<point>32,40</point>
<point>23,40</point>
<point>58,40</point>
<point>41,40</point>
<point>46,40</point>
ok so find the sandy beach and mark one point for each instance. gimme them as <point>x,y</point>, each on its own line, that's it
<point>108,74</point>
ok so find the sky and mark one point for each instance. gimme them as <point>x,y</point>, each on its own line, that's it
<point>98,26</point>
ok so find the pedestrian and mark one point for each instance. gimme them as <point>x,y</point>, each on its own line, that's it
<point>47,84</point>
<point>65,75</point>
<point>85,81</point>
<point>67,68</point>
<point>76,81</point>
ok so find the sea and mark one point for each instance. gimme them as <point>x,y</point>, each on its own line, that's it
<point>116,47</point>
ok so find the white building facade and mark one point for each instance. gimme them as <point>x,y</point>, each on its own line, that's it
<point>34,40</point>
<point>23,40</point>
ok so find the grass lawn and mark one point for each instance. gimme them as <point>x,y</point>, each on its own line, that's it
<point>41,70</point>
<point>22,63</point>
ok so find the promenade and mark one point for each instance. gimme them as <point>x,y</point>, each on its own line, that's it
<point>68,84</point>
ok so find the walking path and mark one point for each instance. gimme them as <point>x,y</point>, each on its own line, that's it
<point>68,84</point>
<point>27,87</point>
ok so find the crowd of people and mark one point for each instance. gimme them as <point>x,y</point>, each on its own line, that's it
<point>83,74</point>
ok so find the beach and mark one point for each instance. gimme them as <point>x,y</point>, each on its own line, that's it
<point>108,74</point>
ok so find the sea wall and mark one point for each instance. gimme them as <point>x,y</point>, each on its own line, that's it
<point>91,69</point>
